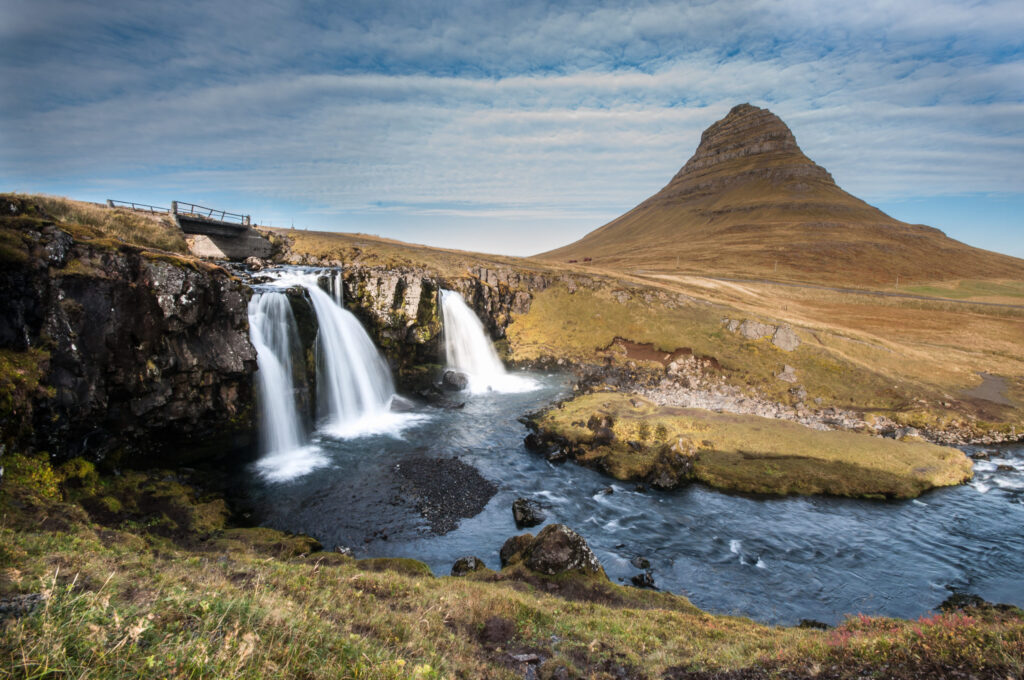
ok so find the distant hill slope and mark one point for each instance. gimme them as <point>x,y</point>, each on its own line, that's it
<point>750,204</point>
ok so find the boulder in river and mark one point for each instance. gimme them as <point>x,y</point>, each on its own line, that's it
<point>555,550</point>
<point>454,381</point>
<point>527,513</point>
<point>643,580</point>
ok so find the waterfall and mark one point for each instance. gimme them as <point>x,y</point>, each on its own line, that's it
<point>337,289</point>
<point>468,350</point>
<point>273,334</point>
<point>354,384</point>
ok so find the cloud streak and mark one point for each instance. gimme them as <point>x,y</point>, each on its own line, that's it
<point>402,114</point>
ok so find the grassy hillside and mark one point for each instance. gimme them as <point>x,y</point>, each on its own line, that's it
<point>750,204</point>
<point>91,222</point>
<point>139,576</point>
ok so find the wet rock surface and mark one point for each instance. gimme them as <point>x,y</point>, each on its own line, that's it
<point>444,490</point>
<point>454,381</point>
<point>149,352</point>
<point>527,513</point>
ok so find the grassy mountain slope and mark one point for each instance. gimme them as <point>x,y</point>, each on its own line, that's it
<point>750,204</point>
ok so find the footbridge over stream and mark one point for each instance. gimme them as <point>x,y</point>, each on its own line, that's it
<point>209,232</point>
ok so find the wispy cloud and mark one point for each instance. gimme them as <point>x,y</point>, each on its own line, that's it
<point>564,115</point>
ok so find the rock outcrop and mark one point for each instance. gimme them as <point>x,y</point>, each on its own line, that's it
<point>144,355</point>
<point>557,549</point>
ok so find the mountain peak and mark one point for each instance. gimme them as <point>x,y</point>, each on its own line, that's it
<point>749,203</point>
<point>749,141</point>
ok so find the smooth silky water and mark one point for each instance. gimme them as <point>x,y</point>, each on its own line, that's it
<point>776,560</point>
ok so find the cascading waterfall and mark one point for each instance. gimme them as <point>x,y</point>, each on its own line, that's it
<point>355,389</point>
<point>273,334</point>
<point>468,350</point>
<point>336,288</point>
<point>354,384</point>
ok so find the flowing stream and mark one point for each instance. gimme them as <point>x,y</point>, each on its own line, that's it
<point>778,560</point>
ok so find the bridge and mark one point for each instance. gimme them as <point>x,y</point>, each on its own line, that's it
<point>216,234</point>
<point>195,219</point>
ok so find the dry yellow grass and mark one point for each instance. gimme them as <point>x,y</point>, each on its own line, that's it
<point>90,220</point>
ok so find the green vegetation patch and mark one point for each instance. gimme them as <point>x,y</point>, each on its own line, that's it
<point>969,289</point>
<point>746,453</point>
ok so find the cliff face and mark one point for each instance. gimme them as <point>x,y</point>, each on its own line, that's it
<point>141,355</point>
<point>401,308</point>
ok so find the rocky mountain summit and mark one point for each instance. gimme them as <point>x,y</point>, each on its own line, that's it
<point>750,204</point>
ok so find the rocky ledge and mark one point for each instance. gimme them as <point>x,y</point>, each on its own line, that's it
<point>134,355</point>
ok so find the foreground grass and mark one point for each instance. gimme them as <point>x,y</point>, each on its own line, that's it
<point>747,453</point>
<point>138,595</point>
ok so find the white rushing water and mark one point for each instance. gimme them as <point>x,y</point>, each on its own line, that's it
<point>468,350</point>
<point>355,390</point>
<point>273,334</point>
<point>354,384</point>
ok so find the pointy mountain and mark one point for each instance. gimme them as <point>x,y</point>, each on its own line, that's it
<point>750,204</point>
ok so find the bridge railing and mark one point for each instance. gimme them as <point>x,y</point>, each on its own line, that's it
<point>140,207</point>
<point>193,210</point>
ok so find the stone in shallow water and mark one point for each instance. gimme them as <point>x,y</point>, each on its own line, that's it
<point>454,381</point>
<point>527,513</point>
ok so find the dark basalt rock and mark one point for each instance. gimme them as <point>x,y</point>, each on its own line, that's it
<point>640,562</point>
<point>555,550</point>
<point>527,513</point>
<point>454,381</point>
<point>550,449</point>
<point>149,354</point>
<point>643,580</point>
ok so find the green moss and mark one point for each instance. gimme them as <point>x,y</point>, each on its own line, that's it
<point>748,453</point>
<point>20,376</point>
<point>33,473</point>
<point>262,541</point>
<point>78,473</point>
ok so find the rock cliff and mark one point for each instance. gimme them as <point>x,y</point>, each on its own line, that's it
<point>400,306</point>
<point>140,355</point>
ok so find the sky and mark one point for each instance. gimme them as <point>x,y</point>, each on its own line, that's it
<point>506,127</point>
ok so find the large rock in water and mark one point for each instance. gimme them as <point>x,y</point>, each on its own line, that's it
<point>527,513</point>
<point>557,549</point>
<point>148,353</point>
<point>454,381</point>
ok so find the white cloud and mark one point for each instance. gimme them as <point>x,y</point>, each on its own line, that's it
<point>480,112</point>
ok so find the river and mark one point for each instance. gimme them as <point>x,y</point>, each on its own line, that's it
<point>776,560</point>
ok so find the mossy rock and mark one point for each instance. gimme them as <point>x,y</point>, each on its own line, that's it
<point>745,453</point>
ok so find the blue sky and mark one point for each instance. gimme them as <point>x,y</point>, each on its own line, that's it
<point>509,127</point>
